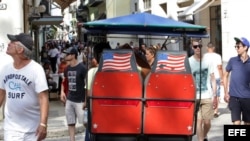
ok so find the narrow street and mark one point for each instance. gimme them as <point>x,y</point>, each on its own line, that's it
<point>215,134</point>
<point>79,137</point>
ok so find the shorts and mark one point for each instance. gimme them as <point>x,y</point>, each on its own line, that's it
<point>19,136</point>
<point>239,106</point>
<point>73,111</point>
<point>206,110</point>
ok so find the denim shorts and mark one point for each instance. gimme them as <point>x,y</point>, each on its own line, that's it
<point>218,87</point>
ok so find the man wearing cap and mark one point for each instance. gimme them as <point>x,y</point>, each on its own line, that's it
<point>24,87</point>
<point>237,91</point>
<point>75,73</point>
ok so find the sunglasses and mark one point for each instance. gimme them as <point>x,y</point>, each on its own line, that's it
<point>197,46</point>
<point>237,47</point>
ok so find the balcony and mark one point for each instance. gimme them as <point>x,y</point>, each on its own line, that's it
<point>94,3</point>
<point>72,8</point>
<point>184,3</point>
<point>46,20</point>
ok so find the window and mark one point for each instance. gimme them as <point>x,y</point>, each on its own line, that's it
<point>184,3</point>
<point>147,4</point>
<point>136,7</point>
<point>164,7</point>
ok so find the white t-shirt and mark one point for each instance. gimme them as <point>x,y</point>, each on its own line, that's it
<point>207,68</point>
<point>215,58</point>
<point>80,56</point>
<point>22,110</point>
<point>91,76</point>
<point>53,52</point>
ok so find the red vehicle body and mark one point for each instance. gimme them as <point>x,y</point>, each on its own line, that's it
<point>123,106</point>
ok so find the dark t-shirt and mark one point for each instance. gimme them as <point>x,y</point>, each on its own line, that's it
<point>76,82</point>
<point>239,81</point>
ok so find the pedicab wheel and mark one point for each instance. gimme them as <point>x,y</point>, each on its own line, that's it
<point>189,138</point>
<point>92,137</point>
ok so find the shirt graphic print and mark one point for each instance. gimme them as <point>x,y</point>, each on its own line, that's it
<point>72,80</point>
<point>14,83</point>
<point>201,80</point>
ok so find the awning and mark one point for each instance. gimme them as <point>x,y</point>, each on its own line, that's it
<point>145,24</point>
<point>195,7</point>
<point>50,20</point>
<point>64,3</point>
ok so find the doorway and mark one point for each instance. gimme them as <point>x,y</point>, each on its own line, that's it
<point>215,28</point>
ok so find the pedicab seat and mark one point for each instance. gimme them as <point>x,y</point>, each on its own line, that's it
<point>116,97</point>
<point>170,96</point>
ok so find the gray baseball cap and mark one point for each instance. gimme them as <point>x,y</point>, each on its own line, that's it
<point>24,38</point>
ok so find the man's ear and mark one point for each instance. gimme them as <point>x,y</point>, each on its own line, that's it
<point>19,49</point>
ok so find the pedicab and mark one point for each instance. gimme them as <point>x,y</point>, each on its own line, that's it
<point>123,105</point>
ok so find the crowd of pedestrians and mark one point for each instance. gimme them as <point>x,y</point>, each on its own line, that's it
<point>75,62</point>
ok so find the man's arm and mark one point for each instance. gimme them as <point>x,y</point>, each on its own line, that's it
<point>44,106</point>
<point>85,105</point>
<point>2,96</point>
<point>44,112</point>
<point>213,82</point>
<point>63,95</point>
<point>214,88</point>
<point>220,73</point>
<point>226,83</point>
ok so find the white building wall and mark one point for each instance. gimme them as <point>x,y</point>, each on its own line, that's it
<point>11,21</point>
<point>116,8</point>
<point>171,12</point>
<point>67,17</point>
<point>235,23</point>
<point>233,15</point>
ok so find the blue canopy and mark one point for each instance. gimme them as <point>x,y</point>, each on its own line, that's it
<point>145,24</point>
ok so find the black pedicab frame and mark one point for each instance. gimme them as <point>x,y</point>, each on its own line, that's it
<point>146,24</point>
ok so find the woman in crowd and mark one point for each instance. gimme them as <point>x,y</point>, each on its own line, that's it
<point>150,55</point>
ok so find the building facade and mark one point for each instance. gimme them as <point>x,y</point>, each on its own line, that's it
<point>221,18</point>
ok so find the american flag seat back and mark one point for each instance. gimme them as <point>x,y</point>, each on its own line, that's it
<point>170,95</point>
<point>116,96</point>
